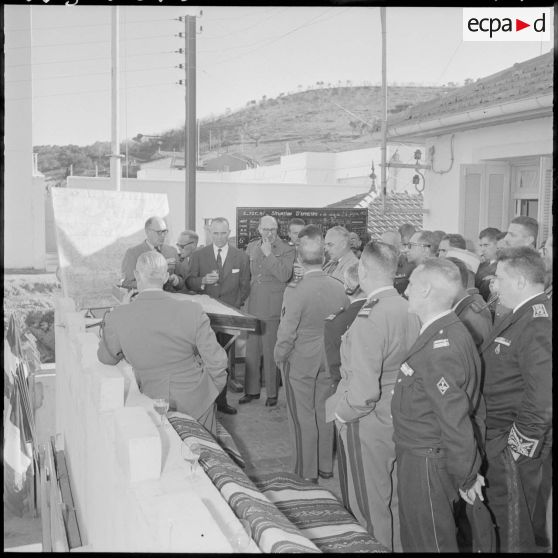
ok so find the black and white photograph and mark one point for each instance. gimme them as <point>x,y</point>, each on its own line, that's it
<point>278,278</point>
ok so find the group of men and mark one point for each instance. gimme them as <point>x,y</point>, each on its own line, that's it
<point>391,359</point>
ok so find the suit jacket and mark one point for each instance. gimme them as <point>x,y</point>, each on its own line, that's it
<point>372,351</point>
<point>476,316</point>
<point>306,305</point>
<point>517,357</point>
<point>482,278</point>
<point>182,271</point>
<point>269,277</point>
<point>335,326</point>
<point>131,257</point>
<point>437,401</point>
<point>343,263</point>
<point>234,282</point>
<point>171,347</point>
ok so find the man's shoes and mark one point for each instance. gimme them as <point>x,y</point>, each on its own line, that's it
<point>247,398</point>
<point>235,387</point>
<point>312,480</point>
<point>227,409</point>
<point>271,402</point>
<point>323,475</point>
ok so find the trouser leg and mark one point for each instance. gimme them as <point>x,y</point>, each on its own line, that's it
<point>372,488</point>
<point>271,375</point>
<point>252,363</point>
<point>426,498</point>
<point>302,421</point>
<point>325,429</point>
<point>209,419</point>
<point>223,339</point>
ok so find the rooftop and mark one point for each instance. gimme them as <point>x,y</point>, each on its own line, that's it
<point>531,78</point>
<point>401,208</point>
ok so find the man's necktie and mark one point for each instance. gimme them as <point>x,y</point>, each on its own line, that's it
<point>158,248</point>
<point>219,262</point>
<point>331,266</point>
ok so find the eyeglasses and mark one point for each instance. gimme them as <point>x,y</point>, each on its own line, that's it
<point>162,231</point>
<point>181,246</point>
<point>409,244</point>
<point>269,230</point>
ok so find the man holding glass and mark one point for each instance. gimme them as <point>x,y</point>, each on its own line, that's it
<point>169,344</point>
<point>187,242</point>
<point>155,232</point>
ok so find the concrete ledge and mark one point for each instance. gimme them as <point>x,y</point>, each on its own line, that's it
<point>107,388</point>
<point>138,444</point>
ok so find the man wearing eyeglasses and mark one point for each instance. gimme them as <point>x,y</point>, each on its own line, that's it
<point>155,232</point>
<point>271,267</point>
<point>419,248</point>
<point>186,244</point>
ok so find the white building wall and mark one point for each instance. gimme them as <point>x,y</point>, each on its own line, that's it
<point>24,194</point>
<point>481,145</point>
<point>215,199</point>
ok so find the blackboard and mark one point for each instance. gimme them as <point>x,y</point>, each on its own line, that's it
<point>247,220</point>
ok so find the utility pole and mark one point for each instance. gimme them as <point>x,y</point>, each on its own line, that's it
<point>115,163</point>
<point>384,110</point>
<point>190,122</point>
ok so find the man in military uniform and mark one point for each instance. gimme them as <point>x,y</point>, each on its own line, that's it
<point>300,354</point>
<point>295,226</point>
<point>338,323</point>
<point>436,431</point>
<point>271,267</point>
<point>470,307</point>
<point>518,393</point>
<point>371,353</point>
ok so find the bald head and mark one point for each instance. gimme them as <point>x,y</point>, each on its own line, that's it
<point>268,227</point>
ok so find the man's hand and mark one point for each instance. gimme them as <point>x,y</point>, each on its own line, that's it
<point>173,280</point>
<point>210,278</point>
<point>266,247</point>
<point>298,270</point>
<point>476,490</point>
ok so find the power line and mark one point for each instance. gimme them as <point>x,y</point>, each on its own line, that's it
<point>106,25</point>
<point>450,60</point>
<point>77,60</point>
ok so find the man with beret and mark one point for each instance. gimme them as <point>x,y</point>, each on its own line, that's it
<point>299,352</point>
<point>371,353</point>
<point>518,392</point>
<point>437,429</point>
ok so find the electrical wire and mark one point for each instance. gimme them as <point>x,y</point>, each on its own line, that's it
<point>450,60</point>
<point>107,25</point>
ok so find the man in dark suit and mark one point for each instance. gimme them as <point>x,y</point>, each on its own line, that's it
<point>518,392</point>
<point>164,340</point>
<point>155,232</point>
<point>488,239</point>
<point>222,272</point>
<point>271,267</point>
<point>187,242</point>
<point>470,307</point>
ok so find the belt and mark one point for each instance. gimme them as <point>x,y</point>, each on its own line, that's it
<point>428,452</point>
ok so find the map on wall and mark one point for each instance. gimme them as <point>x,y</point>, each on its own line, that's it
<point>94,228</point>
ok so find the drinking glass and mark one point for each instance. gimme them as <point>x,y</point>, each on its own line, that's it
<point>161,406</point>
<point>191,454</point>
<point>241,535</point>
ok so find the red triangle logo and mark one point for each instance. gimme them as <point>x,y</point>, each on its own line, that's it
<point>519,25</point>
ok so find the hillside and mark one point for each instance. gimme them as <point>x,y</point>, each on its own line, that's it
<point>318,119</point>
<point>322,119</point>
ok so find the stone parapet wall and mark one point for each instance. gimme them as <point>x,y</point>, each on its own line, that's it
<point>132,490</point>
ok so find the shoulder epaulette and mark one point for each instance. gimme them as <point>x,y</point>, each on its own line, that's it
<point>335,314</point>
<point>365,310</point>
<point>477,307</point>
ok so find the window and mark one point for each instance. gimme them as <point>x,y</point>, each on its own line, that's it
<point>527,207</point>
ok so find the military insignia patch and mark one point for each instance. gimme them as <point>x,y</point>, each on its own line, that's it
<point>365,310</point>
<point>406,369</point>
<point>520,443</point>
<point>440,343</point>
<point>503,341</point>
<point>442,385</point>
<point>539,311</point>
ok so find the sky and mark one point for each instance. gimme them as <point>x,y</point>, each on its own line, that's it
<point>243,53</point>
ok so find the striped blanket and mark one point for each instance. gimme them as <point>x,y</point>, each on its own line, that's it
<point>317,513</point>
<point>270,529</point>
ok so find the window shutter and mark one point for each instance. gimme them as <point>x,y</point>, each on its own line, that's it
<point>546,199</point>
<point>471,183</point>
